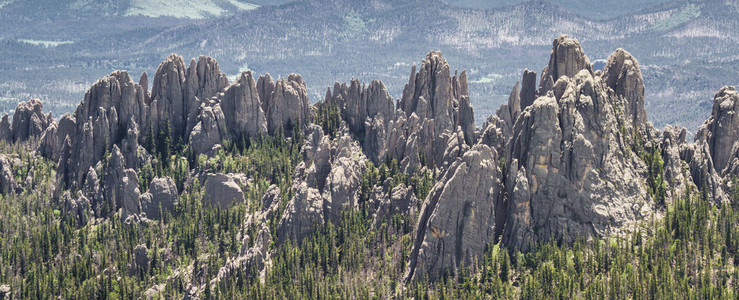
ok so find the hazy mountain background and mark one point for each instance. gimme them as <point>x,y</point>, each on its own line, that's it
<point>54,50</point>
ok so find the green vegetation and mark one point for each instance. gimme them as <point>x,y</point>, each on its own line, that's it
<point>689,253</point>
<point>682,16</point>
<point>656,186</point>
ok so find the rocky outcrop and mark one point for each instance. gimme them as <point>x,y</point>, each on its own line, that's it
<point>5,292</point>
<point>52,140</point>
<point>721,130</point>
<point>507,114</point>
<point>7,181</point>
<point>460,215</point>
<point>359,103</point>
<point>242,108</point>
<point>6,134</point>
<point>432,93</point>
<point>167,104</point>
<point>325,184</point>
<point>204,80</point>
<point>251,261</point>
<point>623,75</point>
<point>223,190</point>
<point>577,176</point>
<point>161,198</point>
<point>567,59</point>
<point>566,166</point>
<point>288,106</point>
<point>528,89</point>
<point>368,111</point>
<point>386,203</point>
<point>434,105</point>
<point>673,144</point>
<point>265,88</point>
<point>140,263</point>
<point>101,120</point>
<point>78,209</point>
<point>29,120</point>
<point>210,130</point>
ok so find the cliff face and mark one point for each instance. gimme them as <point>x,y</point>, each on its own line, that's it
<point>575,157</point>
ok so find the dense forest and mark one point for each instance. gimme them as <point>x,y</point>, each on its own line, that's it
<point>689,253</point>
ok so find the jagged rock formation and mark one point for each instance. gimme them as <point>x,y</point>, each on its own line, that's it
<point>5,132</point>
<point>571,158</point>
<point>210,130</point>
<point>567,59</point>
<point>79,208</point>
<point>52,140</point>
<point>567,166</point>
<point>326,183</point>
<point>101,121</point>
<point>399,200</point>
<point>28,121</point>
<point>439,100</point>
<point>579,176</point>
<point>288,105</point>
<point>242,108</point>
<point>433,106</point>
<point>461,210</point>
<point>177,93</point>
<point>623,75</point>
<point>721,130</point>
<point>368,110</point>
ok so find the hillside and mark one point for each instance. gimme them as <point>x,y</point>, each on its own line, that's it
<point>188,184</point>
<point>590,8</point>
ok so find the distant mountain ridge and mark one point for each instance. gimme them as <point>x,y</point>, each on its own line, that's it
<point>44,9</point>
<point>334,40</point>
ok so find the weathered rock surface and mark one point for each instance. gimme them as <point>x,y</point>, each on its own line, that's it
<point>251,260</point>
<point>5,292</point>
<point>433,106</point>
<point>29,120</point>
<point>432,93</point>
<point>161,198</point>
<point>210,130</point>
<point>6,133</point>
<point>459,217</point>
<point>52,140</point>
<point>567,59</point>
<point>564,161</point>
<point>204,80</point>
<point>288,105</point>
<point>721,130</point>
<point>528,89</point>
<point>579,177</point>
<point>567,168</point>
<point>623,75</point>
<point>365,109</point>
<point>223,190</point>
<point>325,184</point>
<point>400,200</point>
<point>168,96</point>
<point>7,182</point>
<point>78,208</point>
<point>242,108</point>
<point>100,121</point>
<point>141,259</point>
